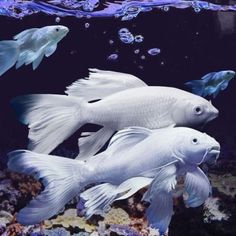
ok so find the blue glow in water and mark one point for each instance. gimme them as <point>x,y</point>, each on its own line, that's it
<point>126,9</point>
<point>154,51</point>
<point>89,5</point>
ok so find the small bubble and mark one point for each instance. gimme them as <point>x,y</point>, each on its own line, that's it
<point>162,63</point>
<point>143,57</point>
<point>123,31</point>
<point>137,51</point>
<point>197,33</point>
<point>138,38</point>
<point>140,67</point>
<point>154,51</point>
<point>58,19</point>
<point>166,8</point>
<point>86,25</point>
<point>73,52</point>
<point>112,57</point>
<point>111,42</point>
<point>197,9</point>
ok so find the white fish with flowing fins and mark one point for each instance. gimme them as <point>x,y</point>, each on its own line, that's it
<point>30,46</point>
<point>54,118</point>
<point>144,157</point>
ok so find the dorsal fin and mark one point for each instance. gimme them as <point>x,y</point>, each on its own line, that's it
<point>127,138</point>
<point>24,35</point>
<point>122,141</point>
<point>101,83</point>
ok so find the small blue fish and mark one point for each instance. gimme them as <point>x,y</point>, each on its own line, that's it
<point>30,46</point>
<point>211,83</point>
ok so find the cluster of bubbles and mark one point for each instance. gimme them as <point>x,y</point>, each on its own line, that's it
<point>151,52</point>
<point>127,37</point>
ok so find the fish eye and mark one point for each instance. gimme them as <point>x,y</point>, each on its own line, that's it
<point>195,141</point>
<point>198,110</point>
<point>57,29</point>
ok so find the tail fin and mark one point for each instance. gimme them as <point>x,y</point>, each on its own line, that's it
<point>51,119</point>
<point>9,52</point>
<point>197,86</point>
<point>60,177</point>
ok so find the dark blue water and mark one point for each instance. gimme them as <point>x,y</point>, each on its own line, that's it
<point>194,38</point>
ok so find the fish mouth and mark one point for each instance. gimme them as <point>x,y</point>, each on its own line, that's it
<point>212,154</point>
<point>214,149</point>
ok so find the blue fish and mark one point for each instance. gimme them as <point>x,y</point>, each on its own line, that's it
<point>211,83</point>
<point>30,46</point>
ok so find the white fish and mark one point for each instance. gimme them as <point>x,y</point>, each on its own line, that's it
<point>135,158</point>
<point>54,118</point>
<point>30,46</point>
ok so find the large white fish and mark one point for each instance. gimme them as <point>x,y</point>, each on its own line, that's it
<point>30,46</point>
<point>54,118</point>
<point>135,158</point>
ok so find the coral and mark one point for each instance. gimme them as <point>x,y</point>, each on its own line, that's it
<point>82,234</point>
<point>8,195</point>
<point>70,219</point>
<point>5,218</point>
<point>117,216</point>
<point>14,229</point>
<point>123,230</point>
<point>25,184</point>
<point>56,232</point>
<point>225,184</point>
<point>14,188</point>
<point>212,212</point>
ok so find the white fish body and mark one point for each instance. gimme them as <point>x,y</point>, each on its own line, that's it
<point>30,46</point>
<point>54,118</point>
<point>136,158</point>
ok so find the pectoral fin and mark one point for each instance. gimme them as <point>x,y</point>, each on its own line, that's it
<point>120,142</point>
<point>127,138</point>
<point>197,187</point>
<point>159,195</point>
<point>37,62</point>
<point>50,50</point>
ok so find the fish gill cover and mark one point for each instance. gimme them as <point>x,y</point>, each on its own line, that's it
<point>126,10</point>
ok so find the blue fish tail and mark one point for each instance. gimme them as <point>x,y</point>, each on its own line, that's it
<point>197,86</point>
<point>60,177</point>
<point>9,52</point>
